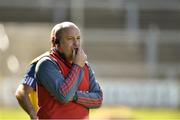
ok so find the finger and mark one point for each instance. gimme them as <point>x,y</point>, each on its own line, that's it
<point>74,53</point>
<point>82,51</point>
<point>79,50</point>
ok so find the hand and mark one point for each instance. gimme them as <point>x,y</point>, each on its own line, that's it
<point>79,57</point>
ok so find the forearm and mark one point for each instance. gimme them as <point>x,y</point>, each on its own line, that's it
<point>89,99</point>
<point>63,88</point>
<point>94,96</point>
<point>22,95</point>
<point>25,103</point>
<point>71,83</point>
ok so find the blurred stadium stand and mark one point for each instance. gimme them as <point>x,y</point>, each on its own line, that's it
<point>130,40</point>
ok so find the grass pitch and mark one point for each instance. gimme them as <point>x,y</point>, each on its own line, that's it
<point>106,113</point>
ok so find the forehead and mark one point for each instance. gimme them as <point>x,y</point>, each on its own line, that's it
<point>71,31</point>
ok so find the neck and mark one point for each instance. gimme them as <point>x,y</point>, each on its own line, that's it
<point>69,60</point>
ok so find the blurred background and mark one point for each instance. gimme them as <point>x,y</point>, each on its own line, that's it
<point>133,46</point>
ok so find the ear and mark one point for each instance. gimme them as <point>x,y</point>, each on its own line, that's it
<point>55,40</point>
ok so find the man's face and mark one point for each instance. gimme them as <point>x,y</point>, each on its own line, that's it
<point>70,39</point>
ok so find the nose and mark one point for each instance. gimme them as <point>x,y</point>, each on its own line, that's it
<point>76,42</point>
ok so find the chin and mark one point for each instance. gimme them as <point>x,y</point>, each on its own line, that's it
<point>70,57</point>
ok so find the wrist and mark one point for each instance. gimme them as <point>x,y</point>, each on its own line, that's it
<point>79,66</point>
<point>33,114</point>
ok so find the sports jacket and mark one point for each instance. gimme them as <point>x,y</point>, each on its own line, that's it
<point>65,91</point>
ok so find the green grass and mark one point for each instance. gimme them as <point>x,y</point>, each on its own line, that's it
<point>157,114</point>
<point>115,113</point>
<point>13,114</point>
<point>121,113</point>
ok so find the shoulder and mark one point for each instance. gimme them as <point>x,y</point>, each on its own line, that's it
<point>44,59</point>
<point>39,57</point>
<point>45,62</point>
<point>31,69</point>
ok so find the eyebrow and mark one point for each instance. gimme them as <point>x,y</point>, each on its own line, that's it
<point>72,36</point>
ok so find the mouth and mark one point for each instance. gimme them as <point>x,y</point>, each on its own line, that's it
<point>76,49</point>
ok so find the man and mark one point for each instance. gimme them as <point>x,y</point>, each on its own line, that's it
<point>67,87</point>
<point>26,91</point>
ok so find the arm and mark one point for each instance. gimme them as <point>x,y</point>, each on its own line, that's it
<point>22,95</point>
<point>92,98</point>
<point>48,74</point>
<point>22,92</point>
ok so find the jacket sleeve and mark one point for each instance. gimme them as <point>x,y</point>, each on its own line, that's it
<point>49,76</point>
<point>29,78</point>
<point>92,98</point>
